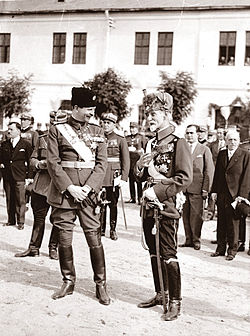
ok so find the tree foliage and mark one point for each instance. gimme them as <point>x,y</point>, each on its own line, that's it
<point>182,88</point>
<point>14,94</point>
<point>111,90</point>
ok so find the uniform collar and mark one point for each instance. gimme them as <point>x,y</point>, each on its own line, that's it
<point>76,124</point>
<point>163,133</point>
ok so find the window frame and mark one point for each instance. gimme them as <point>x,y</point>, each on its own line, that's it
<point>247,49</point>
<point>167,56</point>
<point>142,45</point>
<point>5,47</point>
<point>58,57</point>
<point>79,51</point>
<point>228,53</point>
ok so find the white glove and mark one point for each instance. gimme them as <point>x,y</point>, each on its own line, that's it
<point>28,181</point>
<point>150,194</point>
<point>118,182</point>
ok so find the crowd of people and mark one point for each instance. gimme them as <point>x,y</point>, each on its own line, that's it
<point>78,169</point>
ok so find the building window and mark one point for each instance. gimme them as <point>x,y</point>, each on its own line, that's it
<point>227,48</point>
<point>4,48</point>
<point>247,55</point>
<point>59,46</point>
<point>141,48</point>
<point>79,49</point>
<point>165,43</point>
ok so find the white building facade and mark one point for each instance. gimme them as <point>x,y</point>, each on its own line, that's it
<point>196,38</point>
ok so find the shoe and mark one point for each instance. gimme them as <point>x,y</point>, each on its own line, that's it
<point>197,246</point>
<point>174,310</point>
<point>139,201</point>
<point>156,300</point>
<point>103,234</point>
<point>66,289</point>
<point>9,224</point>
<point>113,235</point>
<point>132,200</point>
<point>216,254</point>
<point>229,257</point>
<point>20,226</point>
<point>186,245</point>
<point>101,295</point>
<point>248,252</point>
<point>53,254</point>
<point>28,253</point>
<point>213,241</point>
<point>241,247</point>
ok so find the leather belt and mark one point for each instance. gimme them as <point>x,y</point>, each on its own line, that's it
<point>78,164</point>
<point>113,159</point>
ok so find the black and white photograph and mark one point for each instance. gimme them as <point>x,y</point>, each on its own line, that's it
<point>124,167</point>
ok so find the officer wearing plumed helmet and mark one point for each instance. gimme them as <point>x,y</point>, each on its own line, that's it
<point>167,168</point>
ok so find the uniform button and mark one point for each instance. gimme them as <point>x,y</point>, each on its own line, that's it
<point>10,161</point>
<point>80,169</point>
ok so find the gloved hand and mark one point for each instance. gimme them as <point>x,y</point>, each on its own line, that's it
<point>28,181</point>
<point>204,194</point>
<point>150,194</point>
<point>118,182</point>
<point>79,193</point>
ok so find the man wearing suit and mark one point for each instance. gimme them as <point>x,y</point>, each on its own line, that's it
<point>77,162</point>
<point>231,180</point>
<point>218,144</point>
<point>197,191</point>
<point>117,171</point>
<point>15,155</point>
<point>136,145</point>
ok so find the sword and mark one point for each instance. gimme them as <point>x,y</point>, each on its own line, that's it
<point>157,207</point>
<point>123,210</point>
<point>116,174</point>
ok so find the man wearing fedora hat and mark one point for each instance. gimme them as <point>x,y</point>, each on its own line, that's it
<point>167,168</point>
<point>136,145</point>
<point>77,162</point>
<point>117,171</point>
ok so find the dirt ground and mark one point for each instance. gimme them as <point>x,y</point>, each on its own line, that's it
<point>215,292</point>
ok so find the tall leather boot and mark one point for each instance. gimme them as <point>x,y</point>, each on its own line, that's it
<point>113,234</point>
<point>67,270</point>
<point>103,220</point>
<point>98,265</point>
<point>157,299</point>
<point>53,243</point>
<point>174,281</point>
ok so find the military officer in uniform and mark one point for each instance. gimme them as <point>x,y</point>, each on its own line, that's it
<point>77,163</point>
<point>136,144</point>
<point>31,136</point>
<point>117,171</point>
<point>167,166</point>
<point>27,132</point>
<point>39,204</point>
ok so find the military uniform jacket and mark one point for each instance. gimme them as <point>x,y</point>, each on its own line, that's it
<point>136,145</point>
<point>203,170</point>
<point>59,149</point>
<point>42,177</point>
<point>16,160</point>
<point>118,158</point>
<point>30,135</point>
<point>171,168</point>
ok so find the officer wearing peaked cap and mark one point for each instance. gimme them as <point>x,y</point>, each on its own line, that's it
<point>117,171</point>
<point>167,168</point>
<point>26,129</point>
<point>136,145</point>
<point>77,162</point>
